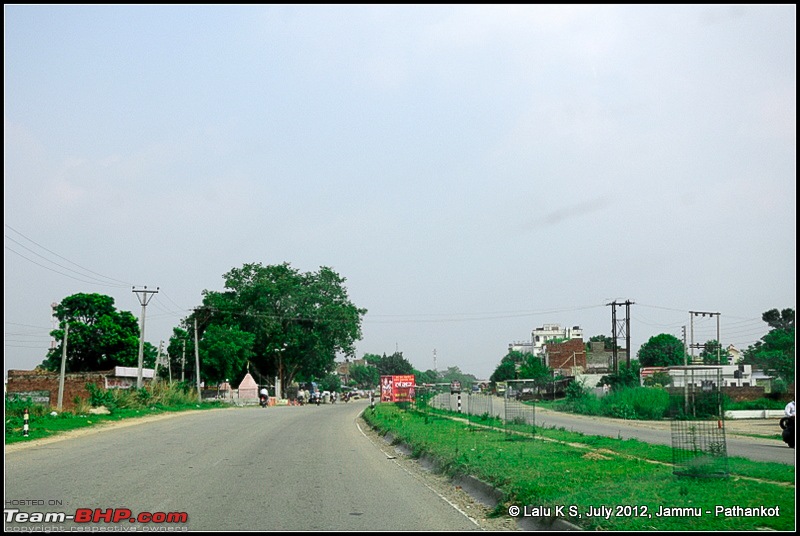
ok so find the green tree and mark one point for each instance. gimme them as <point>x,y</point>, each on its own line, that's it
<point>429,376</point>
<point>783,320</point>
<point>372,359</point>
<point>364,376</point>
<point>224,353</point>
<point>454,374</point>
<point>181,354</point>
<point>300,321</point>
<point>533,368</point>
<point>628,376</point>
<point>331,383</point>
<point>775,352</point>
<point>507,368</point>
<point>394,364</point>
<point>709,354</point>
<point>100,337</point>
<point>661,378</point>
<point>663,350</point>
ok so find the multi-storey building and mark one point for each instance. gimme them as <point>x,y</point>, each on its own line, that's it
<point>549,332</point>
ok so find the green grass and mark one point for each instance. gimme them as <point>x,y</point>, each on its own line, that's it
<point>123,404</point>
<point>559,468</point>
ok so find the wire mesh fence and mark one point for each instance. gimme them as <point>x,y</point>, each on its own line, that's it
<point>699,447</point>
<point>480,409</point>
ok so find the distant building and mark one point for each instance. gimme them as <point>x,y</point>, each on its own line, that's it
<point>549,332</point>
<point>525,347</point>
<point>601,361</point>
<point>41,386</point>
<point>736,355</point>
<point>567,357</point>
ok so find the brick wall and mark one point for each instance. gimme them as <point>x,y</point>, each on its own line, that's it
<point>40,381</point>
<point>560,355</point>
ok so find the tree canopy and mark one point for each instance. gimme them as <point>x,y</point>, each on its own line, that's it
<point>662,350</point>
<point>296,323</point>
<point>394,364</point>
<point>710,355</point>
<point>775,352</point>
<point>100,337</point>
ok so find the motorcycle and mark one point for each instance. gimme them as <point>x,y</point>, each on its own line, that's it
<point>787,425</point>
<point>263,401</point>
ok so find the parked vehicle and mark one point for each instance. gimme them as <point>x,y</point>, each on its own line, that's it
<point>787,425</point>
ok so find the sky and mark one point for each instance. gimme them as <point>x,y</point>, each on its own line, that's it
<point>472,171</point>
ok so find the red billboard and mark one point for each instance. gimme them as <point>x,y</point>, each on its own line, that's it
<point>398,388</point>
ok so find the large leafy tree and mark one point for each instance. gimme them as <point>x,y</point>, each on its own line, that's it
<point>394,364</point>
<point>507,368</point>
<point>428,376</point>
<point>663,350</point>
<point>454,374</point>
<point>775,352</point>
<point>627,376</point>
<point>533,368</point>
<point>99,337</point>
<point>364,376</point>
<point>224,353</point>
<point>299,322</point>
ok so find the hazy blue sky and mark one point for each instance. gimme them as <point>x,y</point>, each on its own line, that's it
<point>474,172</point>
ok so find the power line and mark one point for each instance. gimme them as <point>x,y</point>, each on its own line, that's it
<point>61,273</point>
<point>124,283</point>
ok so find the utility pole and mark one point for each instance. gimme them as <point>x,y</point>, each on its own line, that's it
<point>183,360</point>
<point>197,360</point>
<point>434,360</point>
<point>63,367</point>
<point>53,340</point>
<point>694,345</point>
<point>616,327</point>
<point>144,299</point>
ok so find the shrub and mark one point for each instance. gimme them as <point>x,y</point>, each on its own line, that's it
<point>649,403</point>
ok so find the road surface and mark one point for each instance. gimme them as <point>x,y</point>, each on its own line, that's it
<point>295,468</point>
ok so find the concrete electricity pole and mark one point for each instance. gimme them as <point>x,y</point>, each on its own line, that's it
<point>63,367</point>
<point>144,299</point>
<point>698,345</point>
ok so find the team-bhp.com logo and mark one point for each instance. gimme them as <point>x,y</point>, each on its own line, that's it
<point>96,515</point>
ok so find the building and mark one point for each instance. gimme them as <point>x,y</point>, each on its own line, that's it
<point>567,357</point>
<point>524,347</point>
<point>730,375</point>
<point>41,386</point>
<point>549,332</point>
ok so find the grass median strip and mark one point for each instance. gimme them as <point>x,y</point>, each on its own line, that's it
<point>596,482</point>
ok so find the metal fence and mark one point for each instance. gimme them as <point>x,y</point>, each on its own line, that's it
<point>699,447</point>
<point>480,409</point>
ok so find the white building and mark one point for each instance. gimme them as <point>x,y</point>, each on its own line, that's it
<point>732,375</point>
<point>549,332</point>
<point>525,347</point>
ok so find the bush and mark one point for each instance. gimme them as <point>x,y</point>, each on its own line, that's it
<point>761,403</point>
<point>649,403</point>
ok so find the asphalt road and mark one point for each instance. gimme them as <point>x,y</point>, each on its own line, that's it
<point>304,468</point>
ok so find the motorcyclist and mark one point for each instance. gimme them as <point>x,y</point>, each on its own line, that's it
<point>787,424</point>
<point>263,397</point>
